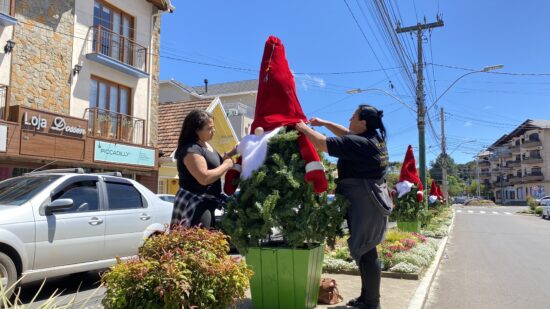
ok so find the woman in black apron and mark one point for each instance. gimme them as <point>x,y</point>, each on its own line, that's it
<point>200,169</point>
<point>362,161</point>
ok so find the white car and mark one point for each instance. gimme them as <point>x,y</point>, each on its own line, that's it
<point>59,222</point>
<point>545,204</point>
<point>170,198</point>
<point>543,200</point>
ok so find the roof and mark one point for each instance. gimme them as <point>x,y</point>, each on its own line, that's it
<point>526,125</point>
<point>229,88</point>
<point>171,115</point>
<point>164,5</point>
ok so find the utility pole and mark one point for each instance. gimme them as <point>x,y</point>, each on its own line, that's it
<point>421,111</point>
<point>444,157</point>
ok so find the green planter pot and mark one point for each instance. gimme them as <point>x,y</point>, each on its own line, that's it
<point>285,278</point>
<point>409,226</point>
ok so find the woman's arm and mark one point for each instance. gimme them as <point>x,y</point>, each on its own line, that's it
<point>196,164</point>
<point>317,139</point>
<point>335,128</point>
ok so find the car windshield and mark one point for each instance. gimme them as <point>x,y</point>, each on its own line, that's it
<point>16,191</point>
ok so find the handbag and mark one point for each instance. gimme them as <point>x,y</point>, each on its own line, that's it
<point>328,292</point>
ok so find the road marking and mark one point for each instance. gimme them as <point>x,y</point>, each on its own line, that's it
<point>459,210</point>
<point>496,213</point>
<point>470,211</point>
<point>507,213</point>
<point>482,212</point>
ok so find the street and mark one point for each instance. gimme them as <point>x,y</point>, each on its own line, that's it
<point>495,258</point>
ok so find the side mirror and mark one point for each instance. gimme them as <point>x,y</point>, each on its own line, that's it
<point>59,205</point>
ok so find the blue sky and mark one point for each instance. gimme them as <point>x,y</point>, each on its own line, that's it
<point>322,37</point>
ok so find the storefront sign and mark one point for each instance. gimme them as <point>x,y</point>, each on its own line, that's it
<point>123,154</point>
<point>59,124</point>
<point>3,137</point>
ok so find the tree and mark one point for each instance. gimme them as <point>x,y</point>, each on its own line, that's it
<point>436,171</point>
<point>456,185</point>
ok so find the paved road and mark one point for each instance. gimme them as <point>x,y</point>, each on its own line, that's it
<point>495,258</point>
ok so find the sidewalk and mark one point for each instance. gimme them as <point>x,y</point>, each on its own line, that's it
<point>396,293</point>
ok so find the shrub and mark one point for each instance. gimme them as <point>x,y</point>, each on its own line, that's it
<point>479,203</point>
<point>405,267</point>
<point>396,235</point>
<point>181,269</point>
<point>532,202</point>
<point>336,265</point>
<point>538,210</point>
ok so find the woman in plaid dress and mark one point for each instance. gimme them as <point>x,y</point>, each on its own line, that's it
<point>200,169</point>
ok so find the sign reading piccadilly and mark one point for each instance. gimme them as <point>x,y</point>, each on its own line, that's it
<point>123,154</point>
<point>59,124</point>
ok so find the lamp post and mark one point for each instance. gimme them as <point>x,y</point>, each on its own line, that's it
<point>421,112</point>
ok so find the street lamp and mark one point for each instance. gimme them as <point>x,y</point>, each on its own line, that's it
<point>484,70</point>
<point>359,90</point>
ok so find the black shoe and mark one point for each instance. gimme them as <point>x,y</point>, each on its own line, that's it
<point>355,302</point>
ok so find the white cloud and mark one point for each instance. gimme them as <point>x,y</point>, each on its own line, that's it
<point>486,107</point>
<point>468,124</point>
<point>307,80</point>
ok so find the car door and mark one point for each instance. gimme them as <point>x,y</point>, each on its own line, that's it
<point>75,235</point>
<point>127,218</point>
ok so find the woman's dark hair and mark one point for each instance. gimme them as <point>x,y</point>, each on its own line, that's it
<point>373,117</point>
<point>193,122</point>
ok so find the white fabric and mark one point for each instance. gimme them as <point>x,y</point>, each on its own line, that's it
<point>314,165</point>
<point>403,188</point>
<point>237,167</point>
<point>253,149</point>
<point>432,199</point>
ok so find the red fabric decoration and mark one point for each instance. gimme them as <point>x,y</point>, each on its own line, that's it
<point>277,105</point>
<point>232,178</point>
<point>440,193</point>
<point>433,189</point>
<point>408,170</point>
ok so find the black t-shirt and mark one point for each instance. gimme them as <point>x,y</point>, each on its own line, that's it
<point>187,181</point>
<point>359,156</point>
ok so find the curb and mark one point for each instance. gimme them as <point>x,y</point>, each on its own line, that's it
<point>421,293</point>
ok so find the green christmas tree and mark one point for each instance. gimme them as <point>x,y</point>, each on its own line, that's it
<point>276,196</point>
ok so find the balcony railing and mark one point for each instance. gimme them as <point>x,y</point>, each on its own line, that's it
<point>484,163</point>
<point>3,101</point>
<point>5,7</point>
<point>535,176</point>
<point>110,125</point>
<point>485,174</point>
<point>515,163</point>
<point>515,148</point>
<point>238,109</point>
<point>532,160</point>
<point>515,179</point>
<point>118,47</point>
<point>531,144</point>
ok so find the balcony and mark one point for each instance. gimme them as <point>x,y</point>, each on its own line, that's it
<point>533,160</point>
<point>485,174</point>
<point>115,126</point>
<point>238,109</point>
<point>118,52</point>
<point>516,163</point>
<point>515,148</point>
<point>484,163</point>
<point>531,144</point>
<point>6,13</point>
<point>535,176</point>
<point>506,154</point>
<point>515,179</point>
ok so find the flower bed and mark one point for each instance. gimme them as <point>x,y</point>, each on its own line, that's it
<point>438,226</point>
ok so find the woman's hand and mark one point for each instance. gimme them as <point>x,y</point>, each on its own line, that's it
<point>228,163</point>
<point>316,122</point>
<point>302,127</point>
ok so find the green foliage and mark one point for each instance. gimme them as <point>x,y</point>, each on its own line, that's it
<point>181,269</point>
<point>276,196</point>
<point>407,208</point>
<point>532,202</point>
<point>538,210</point>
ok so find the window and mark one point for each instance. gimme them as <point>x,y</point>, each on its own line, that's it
<point>19,190</point>
<point>110,96</point>
<point>84,194</point>
<point>116,31</point>
<point>162,186</point>
<point>123,196</point>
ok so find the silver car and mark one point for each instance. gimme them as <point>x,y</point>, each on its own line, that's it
<point>57,222</point>
<point>545,204</point>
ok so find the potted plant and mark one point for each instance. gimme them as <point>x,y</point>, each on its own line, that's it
<point>408,196</point>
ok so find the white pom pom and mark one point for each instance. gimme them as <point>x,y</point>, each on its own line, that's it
<point>259,131</point>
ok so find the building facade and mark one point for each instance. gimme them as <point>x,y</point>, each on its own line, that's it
<point>518,164</point>
<point>80,84</point>
<point>238,99</point>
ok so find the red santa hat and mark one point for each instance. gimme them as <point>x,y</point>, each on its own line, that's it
<point>409,176</point>
<point>440,193</point>
<point>434,194</point>
<point>277,105</point>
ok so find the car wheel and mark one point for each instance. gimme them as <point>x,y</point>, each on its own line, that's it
<point>8,274</point>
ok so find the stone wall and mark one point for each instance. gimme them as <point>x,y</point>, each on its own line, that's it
<point>41,65</point>
<point>155,75</point>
